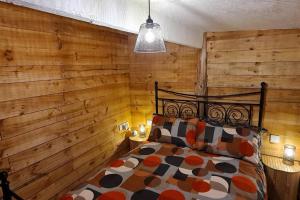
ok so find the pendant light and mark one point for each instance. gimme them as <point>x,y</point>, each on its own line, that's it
<point>150,38</point>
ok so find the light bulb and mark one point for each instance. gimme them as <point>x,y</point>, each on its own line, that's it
<point>149,36</point>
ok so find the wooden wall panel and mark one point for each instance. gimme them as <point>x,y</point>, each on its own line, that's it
<point>174,70</point>
<point>64,87</point>
<point>239,61</point>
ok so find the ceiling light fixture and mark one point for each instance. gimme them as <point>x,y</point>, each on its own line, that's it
<point>150,38</point>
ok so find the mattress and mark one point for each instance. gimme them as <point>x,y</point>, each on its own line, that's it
<point>167,172</point>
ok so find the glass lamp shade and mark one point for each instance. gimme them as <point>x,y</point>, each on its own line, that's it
<point>150,39</point>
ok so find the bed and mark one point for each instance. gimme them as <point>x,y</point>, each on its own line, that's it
<point>199,149</point>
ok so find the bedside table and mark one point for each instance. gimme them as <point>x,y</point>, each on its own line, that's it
<point>282,179</point>
<point>135,141</point>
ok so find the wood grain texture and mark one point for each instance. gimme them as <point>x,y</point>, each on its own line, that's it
<point>64,89</point>
<point>278,164</point>
<point>174,70</point>
<point>282,180</point>
<point>282,185</point>
<point>239,60</point>
<point>202,70</point>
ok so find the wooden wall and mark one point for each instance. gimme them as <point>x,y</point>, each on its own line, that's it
<point>64,87</point>
<point>241,60</point>
<point>174,70</point>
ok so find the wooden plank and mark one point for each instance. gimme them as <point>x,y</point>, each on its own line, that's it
<point>14,38</point>
<point>273,95</point>
<point>14,126</point>
<point>172,58</point>
<point>255,69</point>
<point>96,92</point>
<point>284,82</point>
<point>20,143</point>
<point>214,36</point>
<point>30,89</point>
<point>94,70</point>
<point>29,73</point>
<point>283,41</point>
<point>31,56</point>
<point>29,105</point>
<point>166,67</point>
<point>40,88</point>
<point>40,73</point>
<point>169,71</point>
<point>4,164</point>
<point>254,56</point>
<point>175,86</point>
<point>73,84</point>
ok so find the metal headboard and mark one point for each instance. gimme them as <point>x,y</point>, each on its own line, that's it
<point>214,109</point>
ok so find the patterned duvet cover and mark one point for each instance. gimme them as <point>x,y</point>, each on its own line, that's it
<point>166,172</point>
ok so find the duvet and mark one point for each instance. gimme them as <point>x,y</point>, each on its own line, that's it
<point>166,172</point>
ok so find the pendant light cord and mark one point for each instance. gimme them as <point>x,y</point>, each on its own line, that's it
<point>149,9</point>
<point>149,20</point>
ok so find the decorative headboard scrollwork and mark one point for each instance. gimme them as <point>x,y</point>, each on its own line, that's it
<point>219,112</point>
<point>177,108</point>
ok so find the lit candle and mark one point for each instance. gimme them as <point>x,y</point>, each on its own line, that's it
<point>142,130</point>
<point>289,154</point>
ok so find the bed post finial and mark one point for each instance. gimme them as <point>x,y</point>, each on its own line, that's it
<point>156,97</point>
<point>261,104</point>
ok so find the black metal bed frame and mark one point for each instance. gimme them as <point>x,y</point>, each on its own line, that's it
<point>217,111</point>
<point>4,184</point>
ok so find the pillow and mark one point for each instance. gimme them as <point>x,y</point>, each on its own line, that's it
<point>237,142</point>
<point>174,130</point>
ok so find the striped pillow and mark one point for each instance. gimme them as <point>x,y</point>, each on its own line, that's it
<point>176,131</point>
<point>237,142</point>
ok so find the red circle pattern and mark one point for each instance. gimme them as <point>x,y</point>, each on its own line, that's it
<point>244,183</point>
<point>171,195</point>
<point>152,161</point>
<point>117,163</point>
<point>113,195</point>
<point>157,119</point>
<point>201,186</point>
<point>246,149</point>
<point>67,197</point>
<point>193,160</point>
<point>191,137</point>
